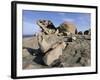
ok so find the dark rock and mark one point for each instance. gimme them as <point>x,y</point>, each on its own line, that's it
<point>87,32</point>
<point>80,33</point>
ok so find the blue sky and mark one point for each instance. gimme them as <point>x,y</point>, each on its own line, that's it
<point>81,20</point>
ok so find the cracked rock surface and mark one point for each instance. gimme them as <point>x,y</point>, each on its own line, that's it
<point>76,53</point>
<point>56,47</point>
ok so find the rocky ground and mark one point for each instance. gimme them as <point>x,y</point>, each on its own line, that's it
<point>76,53</point>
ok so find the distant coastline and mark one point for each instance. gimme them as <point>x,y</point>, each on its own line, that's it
<point>26,36</point>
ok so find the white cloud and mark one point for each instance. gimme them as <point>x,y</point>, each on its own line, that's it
<point>68,19</point>
<point>65,18</point>
<point>62,14</point>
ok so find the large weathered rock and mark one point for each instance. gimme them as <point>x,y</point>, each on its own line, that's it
<point>68,27</point>
<point>46,41</point>
<point>47,26</point>
<point>54,53</point>
<point>77,52</point>
<point>43,45</point>
<point>51,42</point>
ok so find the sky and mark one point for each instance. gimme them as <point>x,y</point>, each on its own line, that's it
<point>81,20</point>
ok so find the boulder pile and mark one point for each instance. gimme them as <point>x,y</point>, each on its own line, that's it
<point>62,46</point>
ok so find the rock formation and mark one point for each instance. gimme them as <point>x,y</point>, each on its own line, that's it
<point>87,32</point>
<point>68,27</point>
<point>46,26</point>
<point>54,53</point>
<point>80,33</point>
<point>44,46</point>
<point>57,47</point>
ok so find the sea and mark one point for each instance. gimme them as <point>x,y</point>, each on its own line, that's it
<point>27,36</point>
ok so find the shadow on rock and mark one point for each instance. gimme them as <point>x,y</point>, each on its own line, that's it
<point>39,59</point>
<point>33,52</point>
<point>37,53</point>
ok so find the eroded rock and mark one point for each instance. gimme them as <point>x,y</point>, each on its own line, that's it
<point>54,53</point>
<point>68,27</point>
<point>47,26</point>
<point>57,47</point>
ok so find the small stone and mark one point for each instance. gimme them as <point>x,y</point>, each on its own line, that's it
<point>74,38</point>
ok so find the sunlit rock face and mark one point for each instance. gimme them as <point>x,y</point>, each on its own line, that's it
<point>47,26</point>
<point>54,54</point>
<point>60,46</point>
<point>68,27</point>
